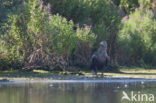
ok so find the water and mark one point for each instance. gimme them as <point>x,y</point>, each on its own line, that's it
<point>96,91</point>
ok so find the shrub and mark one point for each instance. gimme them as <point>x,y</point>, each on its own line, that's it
<point>129,5</point>
<point>35,29</point>
<point>7,7</point>
<point>137,37</point>
<point>100,14</point>
<point>35,36</point>
<point>63,37</point>
<point>8,61</point>
<point>85,41</point>
<point>77,10</point>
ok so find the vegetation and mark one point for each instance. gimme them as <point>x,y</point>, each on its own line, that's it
<point>138,37</point>
<point>124,72</point>
<point>51,34</point>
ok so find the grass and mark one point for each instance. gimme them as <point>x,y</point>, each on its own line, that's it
<point>124,72</point>
<point>134,72</point>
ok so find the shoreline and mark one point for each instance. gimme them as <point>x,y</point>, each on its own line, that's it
<point>78,79</point>
<point>41,75</point>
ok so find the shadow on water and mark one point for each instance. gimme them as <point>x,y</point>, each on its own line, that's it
<point>71,92</point>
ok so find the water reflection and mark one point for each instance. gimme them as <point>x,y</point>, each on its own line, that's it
<point>71,92</point>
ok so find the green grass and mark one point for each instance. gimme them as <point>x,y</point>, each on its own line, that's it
<point>134,72</point>
<point>124,72</point>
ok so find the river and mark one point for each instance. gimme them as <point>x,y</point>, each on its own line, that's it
<point>78,91</point>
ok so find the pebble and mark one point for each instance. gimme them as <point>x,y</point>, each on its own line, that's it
<point>142,82</point>
<point>51,85</point>
<point>126,85</point>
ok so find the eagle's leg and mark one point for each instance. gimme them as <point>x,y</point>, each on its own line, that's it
<point>102,74</point>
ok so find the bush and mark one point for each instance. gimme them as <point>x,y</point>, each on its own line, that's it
<point>137,37</point>
<point>100,14</point>
<point>35,36</point>
<point>85,41</point>
<point>63,37</point>
<point>7,7</point>
<point>8,62</point>
<point>35,29</point>
<point>129,5</point>
<point>77,10</point>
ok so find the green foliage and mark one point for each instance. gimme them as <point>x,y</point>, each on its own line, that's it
<point>116,2</point>
<point>85,41</point>
<point>29,25</point>
<point>36,28</point>
<point>7,7</point>
<point>129,5</point>
<point>106,20</point>
<point>8,61</point>
<point>86,35</point>
<point>100,14</point>
<point>77,10</point>
<point>63,34</point>
<point>83,11</point>
<point>137,36</point>
<point>146,3</point>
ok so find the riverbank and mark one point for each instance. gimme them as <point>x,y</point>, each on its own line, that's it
<point>124,73</point>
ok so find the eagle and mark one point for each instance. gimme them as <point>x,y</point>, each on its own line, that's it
<point>100,59</point>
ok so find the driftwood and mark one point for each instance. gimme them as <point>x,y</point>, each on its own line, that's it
<point>40,59</point>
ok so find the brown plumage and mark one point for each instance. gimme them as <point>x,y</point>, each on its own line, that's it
<point>100,58</point>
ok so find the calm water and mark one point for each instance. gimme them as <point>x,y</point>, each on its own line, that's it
<point>74,91</point>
